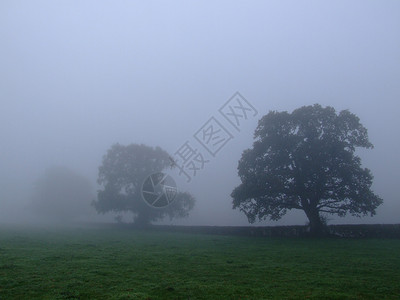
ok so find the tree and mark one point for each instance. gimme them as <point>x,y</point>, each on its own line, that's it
<point>61,195</point>
<point>306,160</point>
<point>121,175</point>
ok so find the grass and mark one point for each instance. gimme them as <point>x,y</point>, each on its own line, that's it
<point>107,263</point>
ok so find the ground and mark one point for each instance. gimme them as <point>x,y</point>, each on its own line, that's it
<point>112,263</point>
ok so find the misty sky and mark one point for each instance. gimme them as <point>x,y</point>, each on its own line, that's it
<point>79,76</point>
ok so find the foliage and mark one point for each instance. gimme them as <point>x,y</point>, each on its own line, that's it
<point>61,195</point>
<point>306,160</point>
<point>121,175</point>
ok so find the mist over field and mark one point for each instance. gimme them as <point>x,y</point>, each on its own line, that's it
<point>77,77</point>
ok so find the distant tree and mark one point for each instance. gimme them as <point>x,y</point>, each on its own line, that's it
<point>121,176</point>
<point>306,160</point>
<point>61,195</point>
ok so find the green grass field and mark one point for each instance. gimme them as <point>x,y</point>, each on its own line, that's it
<point>96,263</point>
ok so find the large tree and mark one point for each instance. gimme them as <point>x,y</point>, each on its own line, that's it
<point>306,160</point>
<point>121,176</point>
<point>62,195</point>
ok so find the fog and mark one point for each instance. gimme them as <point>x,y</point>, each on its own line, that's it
<point>79,76</point>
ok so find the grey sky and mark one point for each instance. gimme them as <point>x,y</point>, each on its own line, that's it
<point>78,76</point>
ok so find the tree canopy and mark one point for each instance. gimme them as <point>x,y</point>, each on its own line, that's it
<point>121,176</point>
<point>62,195</point>
<point>306,160</point>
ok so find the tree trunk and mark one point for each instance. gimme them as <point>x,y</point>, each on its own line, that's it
<point>142,220</point>
<point>317,228</point>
